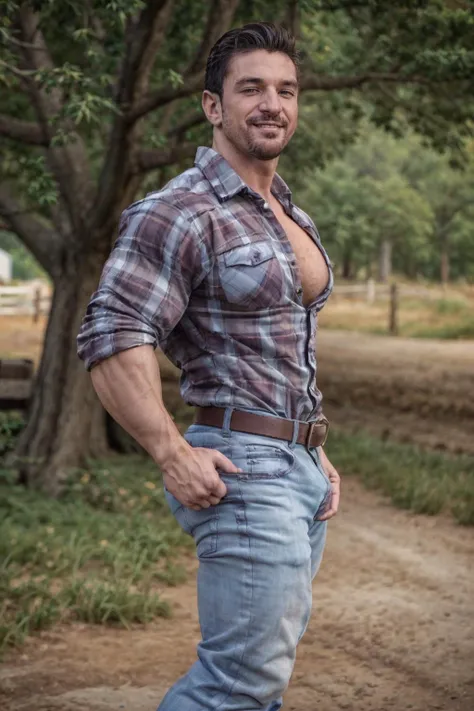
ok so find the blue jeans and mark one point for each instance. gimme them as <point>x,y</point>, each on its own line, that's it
<point>258,551</point>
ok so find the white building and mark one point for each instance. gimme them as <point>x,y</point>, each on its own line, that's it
<point>5,267</point>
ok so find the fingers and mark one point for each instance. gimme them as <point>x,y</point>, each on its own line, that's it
<point>333,504</point>
<point>220,490</point>
<point>206,503</point>
<point>220,461</point>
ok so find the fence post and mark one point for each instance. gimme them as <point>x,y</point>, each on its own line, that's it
<point>370,291</point>
<point>393,322</point>
<point>36,305</point>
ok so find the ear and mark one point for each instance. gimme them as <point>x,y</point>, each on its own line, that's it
<point>212,107</point>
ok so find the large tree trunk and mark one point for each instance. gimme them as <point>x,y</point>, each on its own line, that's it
<point>385,261</point>
<point>66,422</point>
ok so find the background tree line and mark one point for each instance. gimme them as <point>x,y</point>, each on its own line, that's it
<point>394,203</point>
<point>100,102</point>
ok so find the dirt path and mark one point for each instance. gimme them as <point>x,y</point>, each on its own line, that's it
<point>392,629</point>
<point>419,391</point>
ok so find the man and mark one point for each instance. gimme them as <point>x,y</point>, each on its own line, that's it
<point>227,275</point>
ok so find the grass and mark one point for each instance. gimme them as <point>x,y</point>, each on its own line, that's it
<point>464,328</point>
<point>97,555</point>
<point>421,481</point>
<point>450,317</point>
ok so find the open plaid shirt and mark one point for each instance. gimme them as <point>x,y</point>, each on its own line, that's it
<point>203,269</point>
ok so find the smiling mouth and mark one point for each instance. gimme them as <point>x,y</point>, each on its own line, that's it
<point>268,125</point>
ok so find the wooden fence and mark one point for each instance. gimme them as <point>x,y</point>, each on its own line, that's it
<point>28,300</point>
<point>371,292</point>
<point>392,293</point>
<point>35,299</point>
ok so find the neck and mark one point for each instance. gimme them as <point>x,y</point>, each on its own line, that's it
<point>257,174</point>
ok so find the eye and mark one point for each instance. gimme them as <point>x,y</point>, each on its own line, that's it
<point>286,92</point>
<point>250,90</point>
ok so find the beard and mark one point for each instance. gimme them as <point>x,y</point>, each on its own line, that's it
<point>247,142</point>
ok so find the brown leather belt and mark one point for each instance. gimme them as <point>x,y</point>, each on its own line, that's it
<point>311,434</point>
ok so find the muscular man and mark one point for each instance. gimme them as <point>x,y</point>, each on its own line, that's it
<point>227,275</point>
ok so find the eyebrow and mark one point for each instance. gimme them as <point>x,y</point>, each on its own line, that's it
<point>258,80</point>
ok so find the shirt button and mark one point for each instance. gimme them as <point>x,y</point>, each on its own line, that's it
<point>266,206</point>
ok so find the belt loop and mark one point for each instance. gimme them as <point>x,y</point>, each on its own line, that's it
<point>227,420</point>
<point>296,427</point>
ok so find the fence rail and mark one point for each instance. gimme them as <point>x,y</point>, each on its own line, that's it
<point>35,299</point>
<point>30,300</point>
<point>370,291</point>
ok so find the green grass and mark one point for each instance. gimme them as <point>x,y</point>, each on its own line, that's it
<point>422,481</point>
<point>94,555</point>
<point>463,328</point>
<point>451,306</point>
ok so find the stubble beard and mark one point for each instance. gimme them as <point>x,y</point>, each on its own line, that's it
<point>246,144</point>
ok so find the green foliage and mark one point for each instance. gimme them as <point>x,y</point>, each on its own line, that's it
<point>96,555</point>
<point>429,39</point>
<point>421,481</point>
<point>11,424</point>
<point>398,190</point>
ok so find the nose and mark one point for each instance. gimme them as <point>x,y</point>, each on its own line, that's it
<point>271,102</point>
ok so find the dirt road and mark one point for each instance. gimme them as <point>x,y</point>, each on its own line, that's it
<point>411,390</point>
<point>392,629</point>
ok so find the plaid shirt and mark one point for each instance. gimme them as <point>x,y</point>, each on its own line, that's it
<point>203,269</point>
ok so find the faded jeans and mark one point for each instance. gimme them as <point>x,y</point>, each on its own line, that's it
<point>258,551</point>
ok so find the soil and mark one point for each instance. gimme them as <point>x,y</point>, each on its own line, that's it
<point>392,629</point>
<point>419,391</point>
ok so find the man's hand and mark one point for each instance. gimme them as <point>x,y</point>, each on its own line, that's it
<point>192,477</point>
<point>335,479</point>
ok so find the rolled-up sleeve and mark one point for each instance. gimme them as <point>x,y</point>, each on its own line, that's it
<point>146,282</point>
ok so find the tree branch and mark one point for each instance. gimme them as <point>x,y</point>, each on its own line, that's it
<point>310,82</point>
<point>24,131</point>
<point>43,243</point>
<point>68,163</point>
<point>143,39</point>
<point>292,18</point>
<point>189,122</point>
<point>166,96</point>
<point>319,82</point>
<point>219,20</point>
<point>158,158</point>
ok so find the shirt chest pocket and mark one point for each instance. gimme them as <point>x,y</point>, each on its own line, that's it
<point>251,276</point>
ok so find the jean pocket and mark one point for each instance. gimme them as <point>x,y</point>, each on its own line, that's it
<point>266,461</point>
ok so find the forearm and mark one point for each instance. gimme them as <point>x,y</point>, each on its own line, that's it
<point>129,387</point>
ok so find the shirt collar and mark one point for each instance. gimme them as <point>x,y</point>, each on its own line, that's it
<point>226,182</point>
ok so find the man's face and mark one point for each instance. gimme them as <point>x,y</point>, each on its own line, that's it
<point>260,103</point>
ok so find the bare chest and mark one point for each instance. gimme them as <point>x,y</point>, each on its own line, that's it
<point>314,272</point>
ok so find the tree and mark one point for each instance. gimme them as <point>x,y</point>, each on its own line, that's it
<point>99,93</point>
<point>366,207</point>
<point>450,193</point>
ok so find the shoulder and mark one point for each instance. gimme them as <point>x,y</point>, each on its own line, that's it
<point>185,202</point>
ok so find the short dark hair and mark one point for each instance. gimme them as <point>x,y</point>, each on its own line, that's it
<point>255,35</point>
